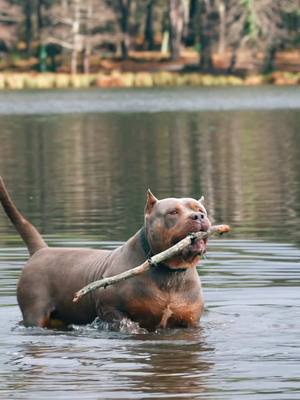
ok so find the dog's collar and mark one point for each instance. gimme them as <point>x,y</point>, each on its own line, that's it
<point>149,253</point>
<point>145,244</point>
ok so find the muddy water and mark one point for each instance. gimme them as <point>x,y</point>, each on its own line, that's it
<point>78,165</point>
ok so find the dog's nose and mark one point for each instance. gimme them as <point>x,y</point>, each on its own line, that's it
<point>197,216</point>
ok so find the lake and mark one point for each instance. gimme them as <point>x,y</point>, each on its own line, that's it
<point>78,165</point>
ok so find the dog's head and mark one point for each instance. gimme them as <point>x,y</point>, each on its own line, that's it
<point>169,220</point>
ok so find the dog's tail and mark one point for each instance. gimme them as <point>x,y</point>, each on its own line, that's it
<point>29,234</point>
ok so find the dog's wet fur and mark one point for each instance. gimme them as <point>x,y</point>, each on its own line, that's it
<point>168,295</point>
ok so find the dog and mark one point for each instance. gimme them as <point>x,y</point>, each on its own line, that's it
<point>168,295</point>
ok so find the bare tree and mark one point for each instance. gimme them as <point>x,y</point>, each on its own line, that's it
<point>221,6</point>
<point>271,29</point>
<point>177,23</point>
<point>235,29</point>
<point>76,26</point>
<point>64,28</point>
<point>149,25</point>
<point>97,26</point>
<point>259,25</point>
<point>122,9</point>
<point>207,21</point>
<point>10,15</point>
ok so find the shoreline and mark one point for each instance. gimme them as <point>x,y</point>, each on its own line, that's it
<point>116,79</point>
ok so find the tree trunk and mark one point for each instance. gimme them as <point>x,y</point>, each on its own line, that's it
<point>149,25</point>
<point>270,57</point>
<point>74,62</point>
<point>233,58</point>
<point>124,6</point>
<point>87,41</point>
<point>76,38</point>
<point>42,47</point>
<point>222,32</point>
<point>28,25</point>
<point>39,12</point>
<point>176,16</point>
<point>86,58</point>
<point>206,63</point>
<point>192,24</point>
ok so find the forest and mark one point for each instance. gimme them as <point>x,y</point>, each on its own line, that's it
<point>207,36</point>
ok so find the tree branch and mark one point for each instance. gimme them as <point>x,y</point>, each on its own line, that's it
<point>59,42</point>
<point>151,262</point>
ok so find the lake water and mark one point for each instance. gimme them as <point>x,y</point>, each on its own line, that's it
<point>78,164</point>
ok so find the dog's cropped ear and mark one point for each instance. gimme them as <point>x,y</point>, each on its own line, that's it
<point>151,200</point>
<point>201,200</point>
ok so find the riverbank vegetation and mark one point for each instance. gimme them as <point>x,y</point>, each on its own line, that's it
<point>132,43</point>
<point>116,79</point>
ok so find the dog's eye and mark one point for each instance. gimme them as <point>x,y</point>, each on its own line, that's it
<point>172,212</point>
<point>202,211</point>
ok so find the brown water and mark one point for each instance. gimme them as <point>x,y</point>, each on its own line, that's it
<point>81,177</point>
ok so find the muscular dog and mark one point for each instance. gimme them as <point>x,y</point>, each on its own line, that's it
<point>168,295</point>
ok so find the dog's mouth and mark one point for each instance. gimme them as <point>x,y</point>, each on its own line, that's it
<point>197,248</point>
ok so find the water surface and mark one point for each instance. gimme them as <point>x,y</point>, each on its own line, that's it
<point>81,177</point>
<point>151,100</point>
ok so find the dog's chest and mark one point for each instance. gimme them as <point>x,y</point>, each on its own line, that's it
<point>179,313</point>
<point>165,310</point>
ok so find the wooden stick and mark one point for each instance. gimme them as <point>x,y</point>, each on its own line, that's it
<point>151,262</point>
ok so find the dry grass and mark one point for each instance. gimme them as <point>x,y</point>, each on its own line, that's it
<point>18,81</point>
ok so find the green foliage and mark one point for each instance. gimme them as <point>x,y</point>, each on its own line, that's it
<point>251,26</point>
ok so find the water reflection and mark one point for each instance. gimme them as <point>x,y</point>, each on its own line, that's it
<point>181,360</point>
<point>97,167</point>
<point>163,364</point>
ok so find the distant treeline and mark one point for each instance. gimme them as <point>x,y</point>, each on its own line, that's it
<point>71,35</point>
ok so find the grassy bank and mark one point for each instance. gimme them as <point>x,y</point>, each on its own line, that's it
<point>18,81</point>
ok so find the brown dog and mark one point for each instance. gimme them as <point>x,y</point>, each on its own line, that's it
<point>168,295</point>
